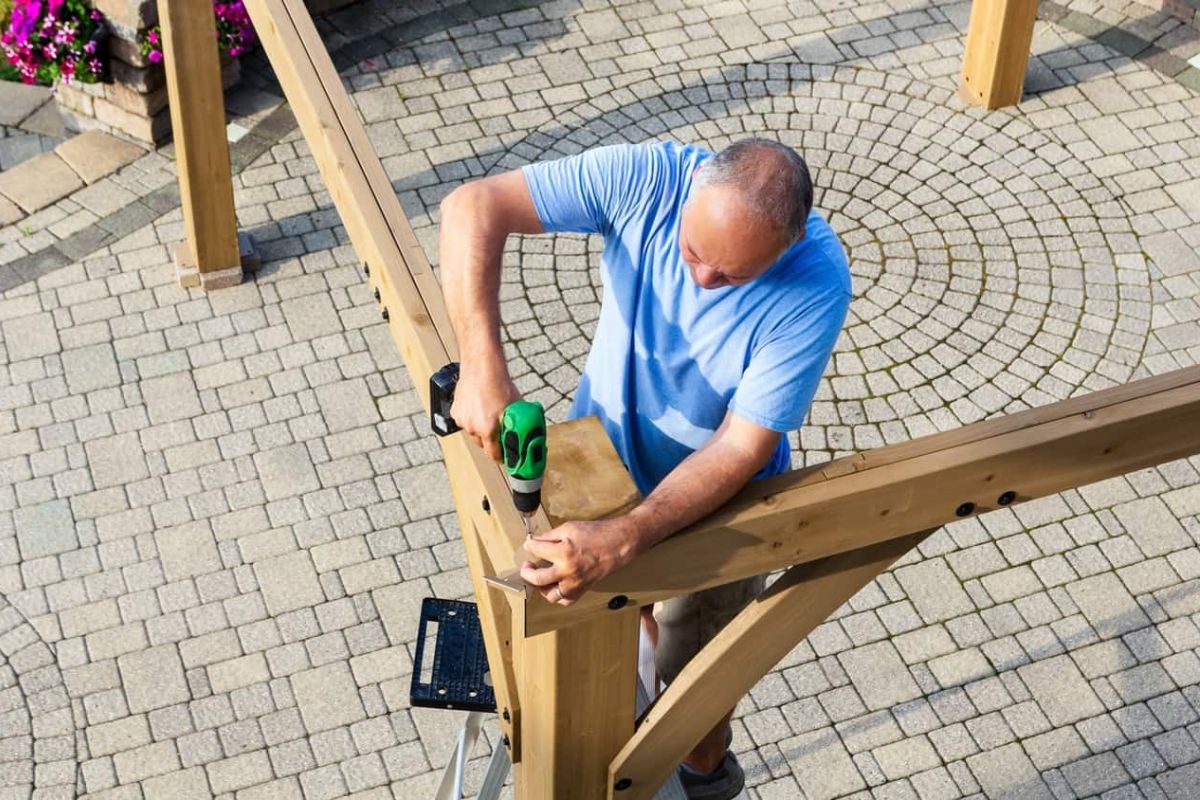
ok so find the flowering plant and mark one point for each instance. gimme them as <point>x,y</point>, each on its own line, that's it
<point>54,39</point>
<point>235,32</point>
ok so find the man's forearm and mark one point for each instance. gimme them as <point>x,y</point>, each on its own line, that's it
<point>693,490</point>
<point>470,251</point>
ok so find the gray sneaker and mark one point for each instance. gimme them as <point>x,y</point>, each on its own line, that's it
<point>723,783</point>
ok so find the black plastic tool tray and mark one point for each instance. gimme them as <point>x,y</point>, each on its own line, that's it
<point>459,659</point>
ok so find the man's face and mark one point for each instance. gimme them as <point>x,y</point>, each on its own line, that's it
<point>722,243</point>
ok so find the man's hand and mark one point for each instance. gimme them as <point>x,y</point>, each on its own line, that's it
<point>479,402</point>
<point>580,553</point>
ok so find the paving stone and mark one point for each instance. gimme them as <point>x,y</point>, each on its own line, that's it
<point>171,397</point>
<point>39,182</point>
<point>934,590</point>
<point>346,405</point>
<point>91,368</point>
<point>153,678</point>
<point>1006,772</point>
<point>30,336</point>
<point>10,212</point>
<point>288,582</point>
<point>146,762</point>
<point>187,784</point>
<point>1153,526</point>
<point>327,697</point>
<point>310,316</point>
<point>20,101</point>
<point>45,529</point>
<point>116,460</point>
<point>93,154</point>
<point>821,765</point>
<point>286,471</point>
<point>1108,606</point>
<point>1060,690</point>
<point>1180,784</point>
<point>239,772</point>
<point>187,550</point>
<point>879,675</point>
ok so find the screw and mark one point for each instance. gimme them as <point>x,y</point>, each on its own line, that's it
<point>377,294</point>
<point>506,716</point>
<point>965,509</point>
<point>622,784</point>
<point>1007,498</point>
<point>506,743</point>
<point>618,602</point>
<point>386,316</point>
<point>487,509</point>
<point>366,268</point>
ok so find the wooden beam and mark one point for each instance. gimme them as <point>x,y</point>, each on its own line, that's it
<point>889,493</point>
<point>996,57</point>
<point>747,648</point>
<point>379,231</point>
<point>209,255</point>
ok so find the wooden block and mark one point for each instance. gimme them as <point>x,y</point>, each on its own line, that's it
<point>585,478</point>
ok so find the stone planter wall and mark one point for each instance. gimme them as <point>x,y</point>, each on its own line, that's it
<point>134,105</point>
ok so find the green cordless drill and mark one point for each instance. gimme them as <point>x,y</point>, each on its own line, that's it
<point>523,446</point>
<point>522,439</point>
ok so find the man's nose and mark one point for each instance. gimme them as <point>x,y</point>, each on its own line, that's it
<point>707,277</point>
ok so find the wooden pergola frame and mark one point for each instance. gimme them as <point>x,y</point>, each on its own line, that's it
<point>564,677</point>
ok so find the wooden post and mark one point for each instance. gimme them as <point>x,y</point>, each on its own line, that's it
<point>209,256</point>
<point>998,41</point>
<point>577,694</point>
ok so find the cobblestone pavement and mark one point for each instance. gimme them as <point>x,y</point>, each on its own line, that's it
<point>219,513</point>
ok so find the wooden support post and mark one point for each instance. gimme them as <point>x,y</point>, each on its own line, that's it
<point>746,649</point>
<point>209,256</point>
<point>997,53</point>
<point>577,693</point>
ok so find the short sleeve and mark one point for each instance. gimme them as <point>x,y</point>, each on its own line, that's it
<point>779,384</point>
<point>592,192</point>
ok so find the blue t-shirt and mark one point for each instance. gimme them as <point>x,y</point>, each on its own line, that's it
<point>669,358</point>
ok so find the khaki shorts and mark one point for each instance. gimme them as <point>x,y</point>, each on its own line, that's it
<point>687,623</point>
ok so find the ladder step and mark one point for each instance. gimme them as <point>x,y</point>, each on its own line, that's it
<point>459,675</point>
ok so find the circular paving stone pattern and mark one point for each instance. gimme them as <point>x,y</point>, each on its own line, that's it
<point>969,234</point>
<point>37,726</point>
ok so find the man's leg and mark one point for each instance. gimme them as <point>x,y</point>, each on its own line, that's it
<point>684,626</point>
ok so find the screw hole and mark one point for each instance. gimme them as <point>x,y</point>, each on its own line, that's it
<point>1006,498</point>
<point>618,602</point>
<point>965,509</point>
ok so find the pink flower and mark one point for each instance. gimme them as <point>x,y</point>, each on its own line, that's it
<point>53,6</point>
<point>152,36</point>
<point>25,15</point>
<point>155,56</point>
<point>90,47</point>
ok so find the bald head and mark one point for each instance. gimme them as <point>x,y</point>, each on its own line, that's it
<point>748,204</point>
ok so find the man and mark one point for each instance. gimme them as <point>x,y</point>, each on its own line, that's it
<point>724,294</point>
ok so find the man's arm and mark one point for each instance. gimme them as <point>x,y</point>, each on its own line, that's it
<point>581,553</point>
<point>476,220</point>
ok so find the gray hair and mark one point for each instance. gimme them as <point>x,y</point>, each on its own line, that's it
<point>772,179</point>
